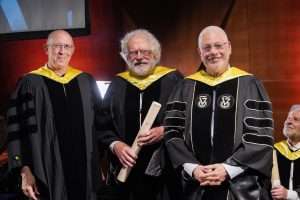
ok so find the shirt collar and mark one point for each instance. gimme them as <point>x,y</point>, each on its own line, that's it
<point>293,148</point>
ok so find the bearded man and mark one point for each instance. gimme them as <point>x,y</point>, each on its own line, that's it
<point>125,106</point>
<point>288,156</point>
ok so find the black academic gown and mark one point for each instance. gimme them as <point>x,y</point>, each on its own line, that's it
<point>234,108</point>
<point>285,157</point>
<point>120,118</point>
<point>52,125</point>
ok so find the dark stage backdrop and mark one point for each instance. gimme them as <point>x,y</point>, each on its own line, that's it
<point>265,37</point>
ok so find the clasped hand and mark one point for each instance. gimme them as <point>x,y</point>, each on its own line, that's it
<point>211,175</point>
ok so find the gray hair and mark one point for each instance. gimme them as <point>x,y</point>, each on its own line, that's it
<point>212,29</point>
<point>295,107</point>
<point>154,43</point>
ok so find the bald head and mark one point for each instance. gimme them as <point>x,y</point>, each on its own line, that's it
<point>59,48</point>
<point>59,33</point>
<point>210,30</point>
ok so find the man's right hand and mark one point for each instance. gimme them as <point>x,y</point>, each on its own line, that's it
<point>125,154</point>
<point>199,173</point>
<point>29,186</point>
<point>279,192</point>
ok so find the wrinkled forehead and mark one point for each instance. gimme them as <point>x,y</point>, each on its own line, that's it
<point>61,38</point>
<point>138,42</point>
<point>295,113</point>
<point>213,37</point>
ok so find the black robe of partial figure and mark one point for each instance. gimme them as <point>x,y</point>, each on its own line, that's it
<point>285,157</point>
<point>121,111</point>
<point>52,129</point>
<point>236,110</point>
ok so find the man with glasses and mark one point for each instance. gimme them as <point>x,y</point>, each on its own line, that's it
<point>218,127</point>
<point>52,127</point>
<point>288,157</point>
<point>125,105</point>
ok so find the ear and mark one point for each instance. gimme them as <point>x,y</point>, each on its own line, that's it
<point>199,51</point>
<point>229,46</point>
<point>73,50</point>
<point>45,47</point>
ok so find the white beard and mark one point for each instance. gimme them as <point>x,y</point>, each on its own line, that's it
<point>141,71</point>
<point>289,134</point>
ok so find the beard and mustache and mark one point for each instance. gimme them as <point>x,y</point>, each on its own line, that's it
<point>142,68</point>
<point>290,133</point>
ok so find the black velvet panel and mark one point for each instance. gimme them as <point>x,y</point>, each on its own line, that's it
<point>258,105</point>
<point>224,121</point>
<point>284,166</point>
<point>21,105</point>
<point>175,121</point>
<point>256,139</point>
<point>69,122</point>
<point>180,106</point>
<point>22,98</point>
<point>173,134</point>
<point>16,135</point>
<point>136,182</point>
<point>132,104</point>
<point>259,123</point>
<point>132,120</point>
<point>201,121</point>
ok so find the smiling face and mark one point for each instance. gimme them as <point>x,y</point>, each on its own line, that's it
<point>140,58</point>
<point>214,50</point>
<point>291,127</point>
<point>59,48</point>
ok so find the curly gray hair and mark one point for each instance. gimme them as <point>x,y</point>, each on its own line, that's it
<point>155,46</point>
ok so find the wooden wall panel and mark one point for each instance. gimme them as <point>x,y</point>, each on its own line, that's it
<point>265,37</point>
<point>274,40</point>
<point>237,32</point>
<point>176,24</point>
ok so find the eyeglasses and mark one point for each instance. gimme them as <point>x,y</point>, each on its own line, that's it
<point>67,47</point>
<point>217,46</point>
<point>143,53</point>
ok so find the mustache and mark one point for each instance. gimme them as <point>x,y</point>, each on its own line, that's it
<point>140,63</point>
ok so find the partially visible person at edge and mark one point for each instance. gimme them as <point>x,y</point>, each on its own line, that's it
<point>3,142</point>
<point>9,188</point>
<point>218,127</point>
<point>52,123</point>
<point>125,105</point>
<point>288,157</point>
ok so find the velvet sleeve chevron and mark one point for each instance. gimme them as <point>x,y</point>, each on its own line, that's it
<point>175,123</point>
<point>21,124</point>
<point>254,127</point>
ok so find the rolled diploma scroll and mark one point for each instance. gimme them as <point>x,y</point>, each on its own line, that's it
<point>275,171</point>
<point>147,124</point>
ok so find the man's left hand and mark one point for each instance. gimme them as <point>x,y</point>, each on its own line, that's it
<point>152,136</point>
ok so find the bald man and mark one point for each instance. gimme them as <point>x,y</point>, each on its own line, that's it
<point>52,124</point>
<point>218,127</point>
